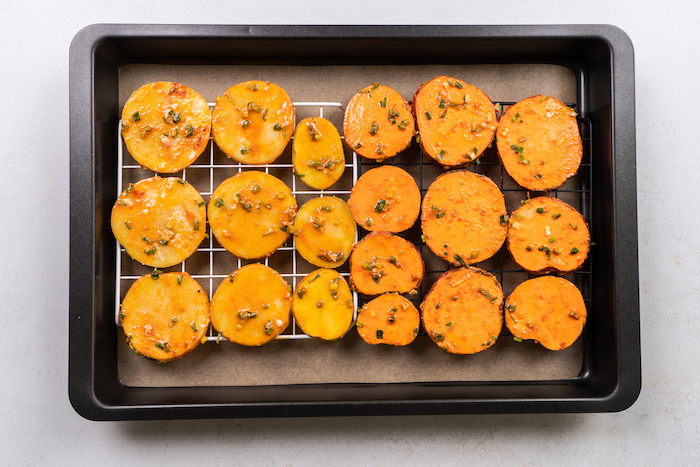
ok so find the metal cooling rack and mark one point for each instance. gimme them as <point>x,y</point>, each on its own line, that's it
<point>500,265</point>
<point>208,247</point>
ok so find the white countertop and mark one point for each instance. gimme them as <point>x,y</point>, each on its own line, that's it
<point>37,422</point>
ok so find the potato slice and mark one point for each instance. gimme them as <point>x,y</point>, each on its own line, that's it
<point>549,310</point>
<point>322,305</point>
<point>456,121</point>
<point>166,126</point>
<point>464,217</point>
<point>324,231</point>
<point>388,319</point>
<point>539,143</point>
<point>384,262</point>
<point>385,199</point>
<point>164,316</point>
<point>249,214</point>
<point>159,221</point>
<point>253,122</point>
<point>463,312</point>
<point>252,306</point>
<point>378,123</point>
<point>547,235</point>
<point>317,153</point>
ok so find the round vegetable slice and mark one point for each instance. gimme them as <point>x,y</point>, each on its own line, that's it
<point>388,319</point>
<point>253,122</point>
<point>324,231</point>
<point>166,126</point>
<point>456,121</point>
<point>547,235</point>
<point>384,262</point>
<point>378,123</point>
<point>539,143</point>
<point>164,316</point>
<point>317,153</point>
<point>549,310</point>
<point>159,221</point>
<point>252,305</point>
<point>249,214</point>
<point>462,313</point>
<point>385,199</point>
<point>322,305</point>
<point>464,217</point>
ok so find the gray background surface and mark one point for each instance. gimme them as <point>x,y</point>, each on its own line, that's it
<point>37,423</point>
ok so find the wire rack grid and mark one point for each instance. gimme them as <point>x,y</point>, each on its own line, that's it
<point>210,247</point>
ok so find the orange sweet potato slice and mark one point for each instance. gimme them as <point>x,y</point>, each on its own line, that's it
<point>388,319</point>
<point>253,122</point>
<point>385,199</point>
<point>464,217</point>
<point>317,153</point>
<point>322,305</point>
<point>549,310</point>
<point>539,143</point>
<point>463,313</point>
<point>252,306</point>
<point>384,262</point>
<point>164,316</point>
<point>166,126</point>
<point>159,221</point>
<point>378,123</point>
<point>547,235</point>
<point>456,121</point>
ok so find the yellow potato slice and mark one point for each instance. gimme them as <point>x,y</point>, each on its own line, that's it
<point>549,310</point>
<point>378,123</point>
<point>324,231</point>
<point>463,311</point>
<point>317,153</point>
<point>166,126</point>
<point>159,221</point>
<point>464,217</point>
<point>385,199</point>
<point>388,319</point>
<point>253,122</point>
<point>456,121</point>
<point>164,316</point>
<point>322,304</point>
<point>384,262</point>
<point>249,214</point>
<point>252,305</point>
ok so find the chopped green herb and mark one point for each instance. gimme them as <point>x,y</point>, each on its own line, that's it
<point>319,303</point>
<point>312,132</point>
<point>264,115</point>
<point>256,188</point>
<point>556,216</point>
<point>422,238</point>
<point>296,174</point>
<point>163,346</point>
<point>151,251</point>
<point>517,149</point>
<point>269,328</point>
<point>517,116</point>
<point>528,248</point>
<point>517,339</point>
<point>245,123</point>
<point>574,250</point>
<point>438,305</point>
<point>247,314</point>
<point>156,274</point>
<point>444,112</point>
<point>130,188</point>
<point>368,222</point>
<point>380,334</point>
<point>460,260</point>
<point>392,319</point>
<point>136,116</point>
<point>163,241</point>
<point>538,176</point>
<point>438,337</point>
<point>374,86</point>
<point>474,254</point>
<point>552,239</point>
<point>428,116</point>
<point>502,219</point>
<point>383,102</point>
<point>439,212</point>
<point>541,210</point>
<point>314,278</point>
<point>245,150</point>
<point>127,224</point>
<point>402,125</point>
<point>380,205</point>
<point>219,203</point>
<point>301,292</point>
<point>196,225</point>
<point>510,307</point>
<point>179,279</point>
<point>252,87</point>
<point>201,203</point>
<point>575,227</point>
<point>277,127</point>
<point>574,315</point>
<point>442,153</point>
<point>358,145</point>
<point>373,128</point>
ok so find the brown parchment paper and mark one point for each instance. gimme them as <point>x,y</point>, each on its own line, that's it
<point>350,359</point>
